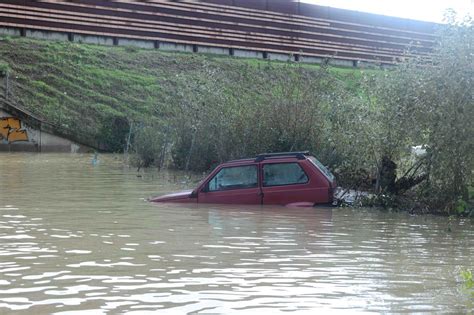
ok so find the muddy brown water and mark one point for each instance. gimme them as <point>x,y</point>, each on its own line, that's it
<point>81,239</point>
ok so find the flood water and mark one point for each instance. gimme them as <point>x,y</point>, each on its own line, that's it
<point>78,238</point>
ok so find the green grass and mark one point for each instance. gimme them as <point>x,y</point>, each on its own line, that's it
<point>85,87</point>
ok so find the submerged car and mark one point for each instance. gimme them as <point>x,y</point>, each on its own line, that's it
<point>288,178</point>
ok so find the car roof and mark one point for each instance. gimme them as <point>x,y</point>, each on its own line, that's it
<point>300,155</point>
<point>289,156</point>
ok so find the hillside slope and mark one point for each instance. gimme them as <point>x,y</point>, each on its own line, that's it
<point>92,91</point>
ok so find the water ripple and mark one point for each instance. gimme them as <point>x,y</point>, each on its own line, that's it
<point>78,239</point>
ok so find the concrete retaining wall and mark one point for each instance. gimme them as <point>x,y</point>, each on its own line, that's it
<point>16,135</point>
<point>9,31</point>
<point>308,59</point>
<point>280,57</point>
<point>242,53</point>
<point>146,44</point>
<point>46,35</point>
<point>90,39</point>
<point>175,47</point>
<point>213,50</point>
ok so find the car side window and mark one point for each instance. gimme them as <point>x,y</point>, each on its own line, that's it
<point>237,177</point>
<point>277,174</point>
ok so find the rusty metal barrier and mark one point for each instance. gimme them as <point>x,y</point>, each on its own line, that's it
<point>265,26</point>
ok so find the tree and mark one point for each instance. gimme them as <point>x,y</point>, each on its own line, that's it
<point>423,101</point>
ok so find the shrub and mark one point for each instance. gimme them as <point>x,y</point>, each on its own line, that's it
<point>4,69</point>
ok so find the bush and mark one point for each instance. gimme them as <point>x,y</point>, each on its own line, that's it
<point>4,69</point>
<point>417,103</point>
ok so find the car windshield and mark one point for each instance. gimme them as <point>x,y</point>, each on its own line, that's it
<point>323,168</point>
<point>236,177</point>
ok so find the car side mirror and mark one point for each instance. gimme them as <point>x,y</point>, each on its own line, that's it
<point>205,188</point>
<point>194,194</point>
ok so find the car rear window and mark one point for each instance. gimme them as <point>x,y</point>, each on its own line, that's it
<point>237,177</point>
<point>323,168</point>
<point>278,174</point>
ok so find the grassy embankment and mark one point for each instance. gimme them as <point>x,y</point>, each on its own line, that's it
<point>93,91</point>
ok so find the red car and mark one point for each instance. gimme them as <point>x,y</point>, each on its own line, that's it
<point>290,178</point>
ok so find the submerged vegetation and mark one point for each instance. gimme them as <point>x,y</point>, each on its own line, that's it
<point>467,278</point>
<point>406,133</point>
<point>468,282</point>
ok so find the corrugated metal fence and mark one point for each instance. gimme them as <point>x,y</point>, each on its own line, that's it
<point>266,26</point>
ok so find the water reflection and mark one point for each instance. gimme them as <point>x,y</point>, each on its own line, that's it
<point>77,238</point>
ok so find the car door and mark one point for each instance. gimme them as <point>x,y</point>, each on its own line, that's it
<point>285,183</point>
<point>233,185</point>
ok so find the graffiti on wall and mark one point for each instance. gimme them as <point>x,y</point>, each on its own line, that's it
<point>11,130</point>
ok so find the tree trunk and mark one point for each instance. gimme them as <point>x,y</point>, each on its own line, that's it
<point>388,175</point>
